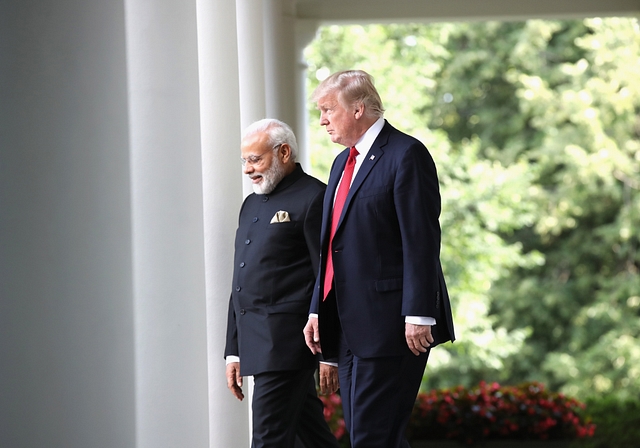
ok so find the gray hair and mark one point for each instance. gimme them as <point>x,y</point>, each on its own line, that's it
<point>278,133</point>
<point>353,86</point>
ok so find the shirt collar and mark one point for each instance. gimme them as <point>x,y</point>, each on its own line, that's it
<point>364,145</point>
<point>366,141</point>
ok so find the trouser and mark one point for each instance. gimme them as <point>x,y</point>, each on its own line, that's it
<point>378,395</point>
<point>286,405</point>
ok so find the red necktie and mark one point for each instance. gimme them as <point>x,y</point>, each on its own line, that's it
<point>338,205</point>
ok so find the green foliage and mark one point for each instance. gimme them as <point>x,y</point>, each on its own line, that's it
<point>617,422</point>
<point>585,111</point>
<point>535,129</point>
<point>476,203</point>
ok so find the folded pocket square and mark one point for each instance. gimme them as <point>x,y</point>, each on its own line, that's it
<point>280,216</point>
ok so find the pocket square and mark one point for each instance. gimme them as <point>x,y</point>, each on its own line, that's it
<point>280,216</point>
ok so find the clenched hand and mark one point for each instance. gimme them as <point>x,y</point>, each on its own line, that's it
<point>418,337</point>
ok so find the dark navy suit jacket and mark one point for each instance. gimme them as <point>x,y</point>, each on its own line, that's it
<point>386,251</point>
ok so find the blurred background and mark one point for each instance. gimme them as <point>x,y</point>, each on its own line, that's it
<point>535,130</point>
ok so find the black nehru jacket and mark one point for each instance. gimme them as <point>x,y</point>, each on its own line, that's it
<point>275,266</point>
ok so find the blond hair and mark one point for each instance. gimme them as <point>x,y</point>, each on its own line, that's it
<point>352,86</point>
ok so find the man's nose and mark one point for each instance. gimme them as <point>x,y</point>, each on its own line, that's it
<point>323,120</point>
<point>247,169</point>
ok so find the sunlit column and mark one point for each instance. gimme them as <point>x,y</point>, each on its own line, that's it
<point>220,135</point>
<point>305,31</point>
<point>251,63</point>
<point>281,61</point>
<point>167,217</point>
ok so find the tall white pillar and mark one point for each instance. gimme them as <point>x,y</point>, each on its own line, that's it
<point>66,295</point>
<point>220,136</point>
<point>305,31</point>
<point>285,82</point>
<point>251,65</point>
<point>251,60</point>
<point>281,61</point>
<point>167,218</point>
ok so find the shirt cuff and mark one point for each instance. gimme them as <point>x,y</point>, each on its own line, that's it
<point>334,364</point>
<point>420,320</point>
<point>232,358</point>
<point>314,315</point>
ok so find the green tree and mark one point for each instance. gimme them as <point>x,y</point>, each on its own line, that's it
<point>404,60</point>
<point>535,130</point>
<point>585,112</point>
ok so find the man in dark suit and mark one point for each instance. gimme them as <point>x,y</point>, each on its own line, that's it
<point>276,261</point>
<point>380,302</point>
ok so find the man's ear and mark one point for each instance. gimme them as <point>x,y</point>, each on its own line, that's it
<point>285,152</point>
<point>358,110</point>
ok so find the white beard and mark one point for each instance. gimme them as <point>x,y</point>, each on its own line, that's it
<point>270,178</point>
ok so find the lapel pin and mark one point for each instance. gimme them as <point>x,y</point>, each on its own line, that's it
<point>372,157</point>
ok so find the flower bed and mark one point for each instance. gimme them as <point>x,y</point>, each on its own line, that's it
<point>485,412</point>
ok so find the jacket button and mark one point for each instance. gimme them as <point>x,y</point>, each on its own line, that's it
<point>243,312</point>
<point>247,241</point>
<point>238,288</point>
<point>242,264</point>
<point>265,199</point>
<point>255,219</point>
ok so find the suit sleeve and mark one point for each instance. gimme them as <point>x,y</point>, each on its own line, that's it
<point>231,347</point>
<point>417,202</point>
<point>312,224</point>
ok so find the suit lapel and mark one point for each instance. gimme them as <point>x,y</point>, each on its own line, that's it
<point>373,156</point>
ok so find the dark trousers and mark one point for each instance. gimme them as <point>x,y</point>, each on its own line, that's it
<point>378,395</point>
<point>286,405</point>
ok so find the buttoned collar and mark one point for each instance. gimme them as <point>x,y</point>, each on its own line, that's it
<point>288,180</point>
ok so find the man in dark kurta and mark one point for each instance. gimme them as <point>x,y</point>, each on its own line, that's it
<point>276,260</point>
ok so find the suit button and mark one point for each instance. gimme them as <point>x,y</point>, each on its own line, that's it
<point>243,312</point>
<point>247,241</point>
<point>238,288</point>
<point>242,264</point>
<point>255,219</point>
<point>265,199</point>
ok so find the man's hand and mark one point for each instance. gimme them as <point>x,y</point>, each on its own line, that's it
<point>312,335</point>
<point>418,338</point>
<point>329,382</point>
<point>234,380</point>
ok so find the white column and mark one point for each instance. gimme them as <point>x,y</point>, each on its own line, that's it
<point>168,236</point>
<point>250,32</point>
<point>305,31</point>
<point>66,312</point>
<point>251,64</point>
<point>280,61</point>
<point>284,69</point>
<point>220,136</point>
